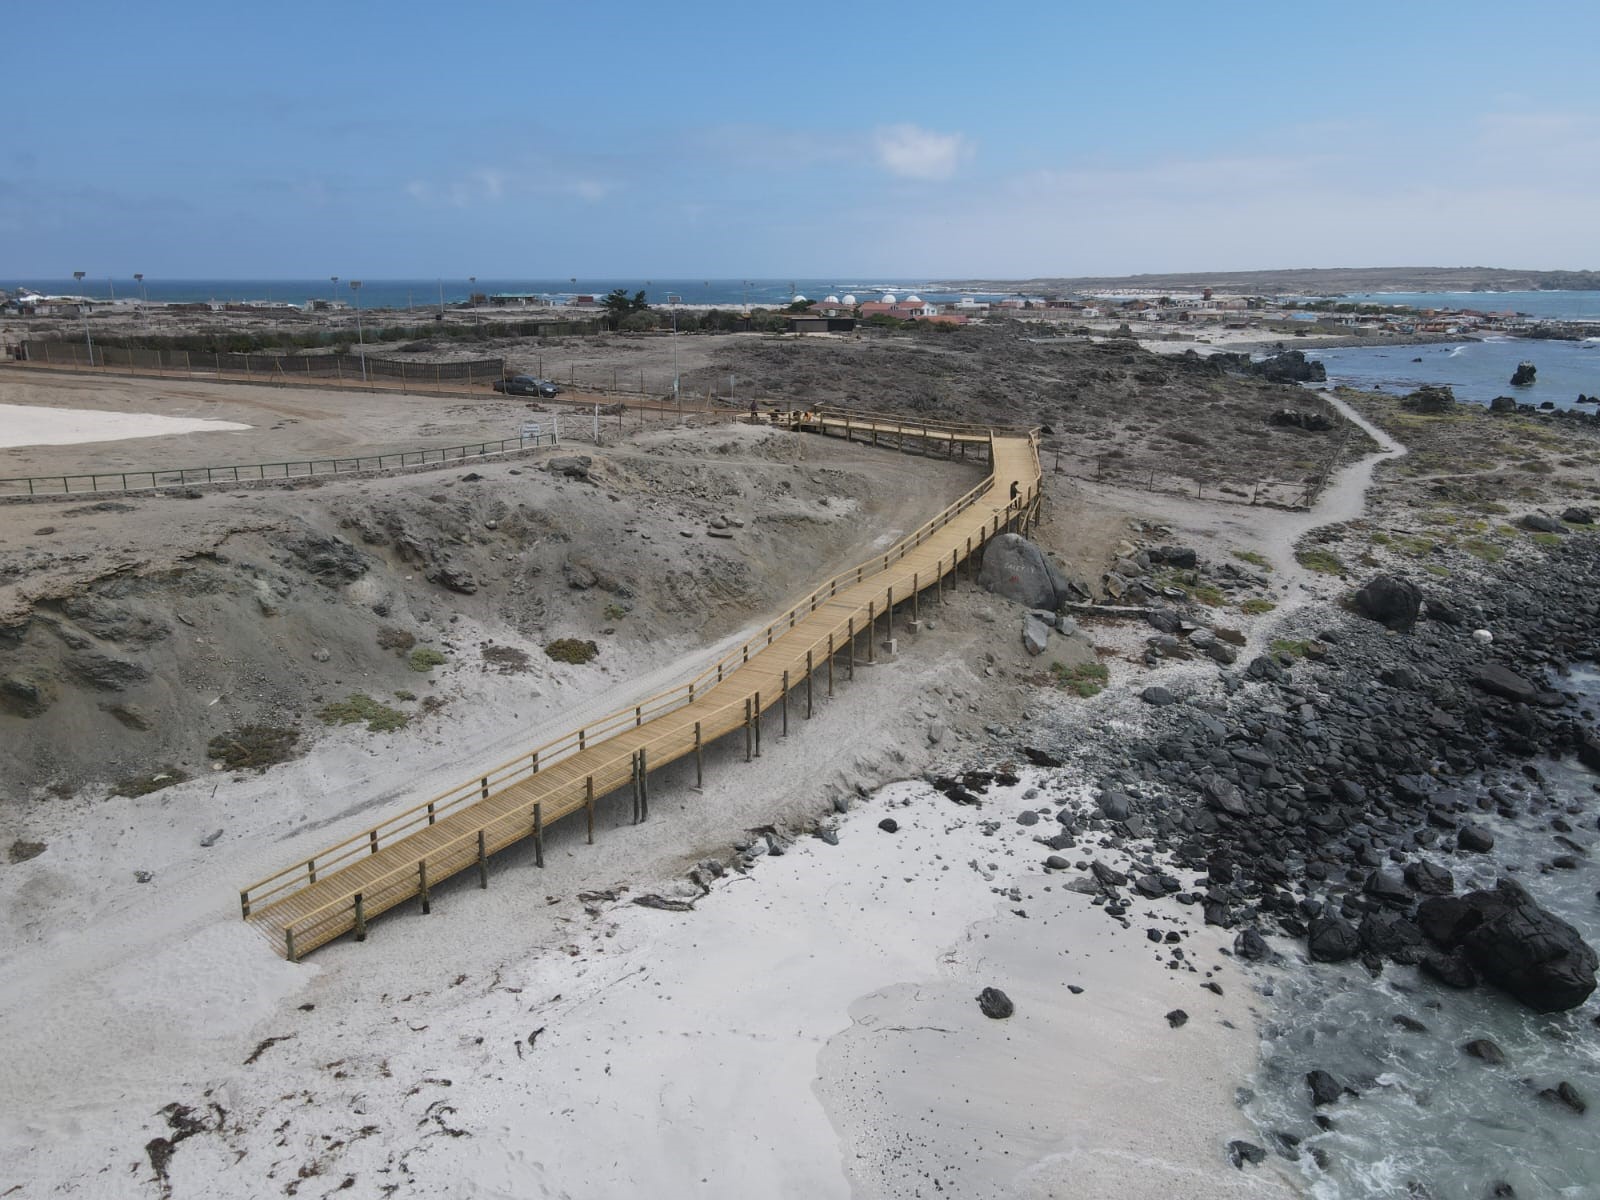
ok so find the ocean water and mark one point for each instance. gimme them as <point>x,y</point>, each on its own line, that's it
<point>423,294</point>
<point>1477,371</point>
<point>1556,306</point>
<point>1429,1116</point>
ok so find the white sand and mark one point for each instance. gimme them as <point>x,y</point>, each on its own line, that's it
<point>35,425</point>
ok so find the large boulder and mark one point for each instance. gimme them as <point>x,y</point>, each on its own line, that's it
<point>1392,602</point>
<point>1502,681</point>
<point>1514,944</point>
<point>1541,523</point>
<point>1017,569</point>
<point>1332,939</point>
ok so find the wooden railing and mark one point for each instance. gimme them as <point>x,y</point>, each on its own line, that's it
<point>630,761</point>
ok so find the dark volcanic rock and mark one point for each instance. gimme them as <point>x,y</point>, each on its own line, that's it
<point>1250,945</point>
<point>995,1004</point>
<point>1158,697</point>
<point>1325,1089</point>
<point>1452,970</point>
<point>1241,1152</point>
<point>1332,939</point>
<point>1540,523</point>
<point>1429,879</point>
<point>1502,681</point>
<point>889,825</point>
<point>1393,603</point>
<point>1177,1018</point>
<point>1017,569</point>
<point>1475,838</point>
<point>1565,1094</point>
<point>1514,944</point>
<point>1485,1049</point>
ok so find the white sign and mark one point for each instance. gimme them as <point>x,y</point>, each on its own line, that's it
<point>532,430</point>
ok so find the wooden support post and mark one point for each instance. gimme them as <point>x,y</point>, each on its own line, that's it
<point>633,765</point>
<point>852,649</point>
<point>244,904</point>
<point>783,699</point>
<point>361,919</point>
<point>809,671</point>
<point>888,613</point>
<point>831,653</point>
<point>699,759</point>
<point>538,833</point>
<point>533,768</point>
<point>644,786</point>
<point>288,944</point>
<point>483,788</point>
<point>749,734</point>
<point>422,885</point>
<point>430,812</point>
<point>916,594</point>
<point>758,724</point>
<point>372,841</point>
<point>588,804</point>
<point>483,863</point>
<point>872,632</point>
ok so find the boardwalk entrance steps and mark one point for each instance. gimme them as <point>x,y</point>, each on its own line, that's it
<point>847,620</point>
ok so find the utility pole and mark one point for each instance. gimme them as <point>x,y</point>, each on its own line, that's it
<point>77,277</point>
<point>355,286</point>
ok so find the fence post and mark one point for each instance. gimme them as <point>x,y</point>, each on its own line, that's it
<point>809,670</point>
<point>538,833</point>
<point>872,632</point>
<point>644,786</point>
<point>748,745</point>
<point>422,876</point>
<point>830,666</point>
<point>852,629</point>
<point>588,804</point>
<point>699,760</point>
<point>483,863</point>
<point>784,700</point>
<point>758,724</point>
<point>361,920</point>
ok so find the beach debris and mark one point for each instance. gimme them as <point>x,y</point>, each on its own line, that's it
<point>211,838</point>
<point>1177,1018</point>
<point>664,903</point>
<point>889,825</point>
<point>264,1045</point>
<point>995,1004</point>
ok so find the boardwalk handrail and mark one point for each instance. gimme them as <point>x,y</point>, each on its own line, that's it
<point>606,775</point>
<point>543,810</point>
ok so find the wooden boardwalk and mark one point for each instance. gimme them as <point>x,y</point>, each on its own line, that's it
<point>341,888</point>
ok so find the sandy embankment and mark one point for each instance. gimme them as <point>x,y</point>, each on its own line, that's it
<point>34,425</point>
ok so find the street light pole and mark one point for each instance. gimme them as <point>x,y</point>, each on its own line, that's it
<point>675,301</point>
<point>355,286</point>
<point>77,277</point>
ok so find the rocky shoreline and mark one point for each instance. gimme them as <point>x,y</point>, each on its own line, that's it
<point>1319,791</point>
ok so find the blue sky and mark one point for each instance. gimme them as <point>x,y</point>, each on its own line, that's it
<point>790,140</point>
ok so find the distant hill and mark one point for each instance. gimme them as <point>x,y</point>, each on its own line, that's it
<point>1316,281</point>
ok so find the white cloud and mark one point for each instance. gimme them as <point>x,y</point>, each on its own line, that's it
<point>912,152</point>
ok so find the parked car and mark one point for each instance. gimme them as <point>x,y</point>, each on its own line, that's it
<point>525,385</point>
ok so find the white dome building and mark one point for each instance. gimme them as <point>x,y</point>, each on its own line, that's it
<point>831,300</point>
<point>913,299</point>
<point>849,298</point>
<point>798,299</point>
<point>888,298</point>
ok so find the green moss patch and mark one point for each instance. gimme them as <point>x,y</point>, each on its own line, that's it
<point>353,710</point>
<point>1324,562</point>
<point>572,650</point>
<point>253,746</point>
<point>1085,679</point>
<point>424,659</point>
